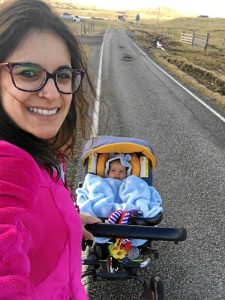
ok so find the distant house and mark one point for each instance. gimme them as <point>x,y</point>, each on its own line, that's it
<point>122,18</point>
<point>137,18</point>
<point>203,16</point>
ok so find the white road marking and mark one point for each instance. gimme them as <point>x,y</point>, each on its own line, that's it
<point>95,116</point>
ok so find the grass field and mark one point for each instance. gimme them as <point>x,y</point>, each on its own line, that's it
<point>202,69</point>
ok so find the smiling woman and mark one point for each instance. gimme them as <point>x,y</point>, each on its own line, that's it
<point>42,113</point>
<point>36,45</point>
<point>41,98</point>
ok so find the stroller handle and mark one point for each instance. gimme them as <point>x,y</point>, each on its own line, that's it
<point>137,232</point>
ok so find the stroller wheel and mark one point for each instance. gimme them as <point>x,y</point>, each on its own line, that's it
<point>156,288</point>
<point>155,291</point>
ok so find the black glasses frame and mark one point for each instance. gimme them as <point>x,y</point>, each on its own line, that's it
<point>53,75</point>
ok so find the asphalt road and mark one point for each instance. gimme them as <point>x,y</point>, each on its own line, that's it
<point>189,144</point>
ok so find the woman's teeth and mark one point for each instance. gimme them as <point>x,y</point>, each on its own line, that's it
<point>45,112</point>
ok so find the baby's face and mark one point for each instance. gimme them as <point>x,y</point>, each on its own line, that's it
<point>117,171</point>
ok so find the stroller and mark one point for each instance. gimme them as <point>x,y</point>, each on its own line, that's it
<point>100,262</point>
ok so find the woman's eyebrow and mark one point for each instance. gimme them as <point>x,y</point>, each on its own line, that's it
<point>63,67</point>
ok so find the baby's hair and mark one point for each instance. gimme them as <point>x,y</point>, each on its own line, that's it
<point>116,160</point>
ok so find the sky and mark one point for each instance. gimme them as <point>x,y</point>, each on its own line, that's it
<point>212,8</point>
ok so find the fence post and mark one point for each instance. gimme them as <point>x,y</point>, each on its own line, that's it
<point>193,38</point>
<point>81,27</point>
<point>84,27</point>
<point>206,41</point>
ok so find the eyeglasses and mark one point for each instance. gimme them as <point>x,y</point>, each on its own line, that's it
<point>29,77</point>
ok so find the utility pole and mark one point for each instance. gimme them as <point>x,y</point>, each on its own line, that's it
<point>158,15</point>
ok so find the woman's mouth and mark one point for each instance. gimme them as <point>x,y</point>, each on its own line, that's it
<point>43,112</point>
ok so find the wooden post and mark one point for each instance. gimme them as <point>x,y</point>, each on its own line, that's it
<point>206,41</point>
<point>193,38</point>
<point>81,27</point>
<point>84,27</point>
<point>158,15</point>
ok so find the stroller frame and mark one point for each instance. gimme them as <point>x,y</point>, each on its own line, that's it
<point>100,264</point>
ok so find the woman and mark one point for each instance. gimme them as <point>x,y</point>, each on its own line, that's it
<point>41,99</point>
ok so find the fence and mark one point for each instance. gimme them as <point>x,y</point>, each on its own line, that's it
<point>86,27</point>
<point>212,40</point>
<point>195,39</point>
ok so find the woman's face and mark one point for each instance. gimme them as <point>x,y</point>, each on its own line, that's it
<point>40,113</point>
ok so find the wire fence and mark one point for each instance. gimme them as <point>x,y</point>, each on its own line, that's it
<point>86,27</point>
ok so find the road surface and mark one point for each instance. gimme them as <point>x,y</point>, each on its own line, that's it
<point>189,144</point>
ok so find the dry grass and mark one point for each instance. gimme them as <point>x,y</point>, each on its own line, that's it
<point>203,70</point>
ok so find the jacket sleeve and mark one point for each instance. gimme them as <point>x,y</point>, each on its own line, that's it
<point>18,184</point>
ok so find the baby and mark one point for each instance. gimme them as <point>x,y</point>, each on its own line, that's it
<point>118,192</point>
<point>117,170</point>
<point>118,167</point>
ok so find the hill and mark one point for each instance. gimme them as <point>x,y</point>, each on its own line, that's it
<point>150,13</point>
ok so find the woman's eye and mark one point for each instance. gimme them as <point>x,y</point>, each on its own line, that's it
<point>64,75</point>
<point>26,72</point>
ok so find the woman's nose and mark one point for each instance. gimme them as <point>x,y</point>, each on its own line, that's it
<point>50,90</point>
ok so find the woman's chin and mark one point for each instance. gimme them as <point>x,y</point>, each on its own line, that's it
<point>46,135</point>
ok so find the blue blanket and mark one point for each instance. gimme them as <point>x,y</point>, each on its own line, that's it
<point>102,196</point>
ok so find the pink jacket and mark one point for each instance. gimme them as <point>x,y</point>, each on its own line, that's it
<point>40,232</point>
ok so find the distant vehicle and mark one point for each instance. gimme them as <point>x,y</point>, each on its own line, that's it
<point>76,19</point>
<point>68,16</point>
